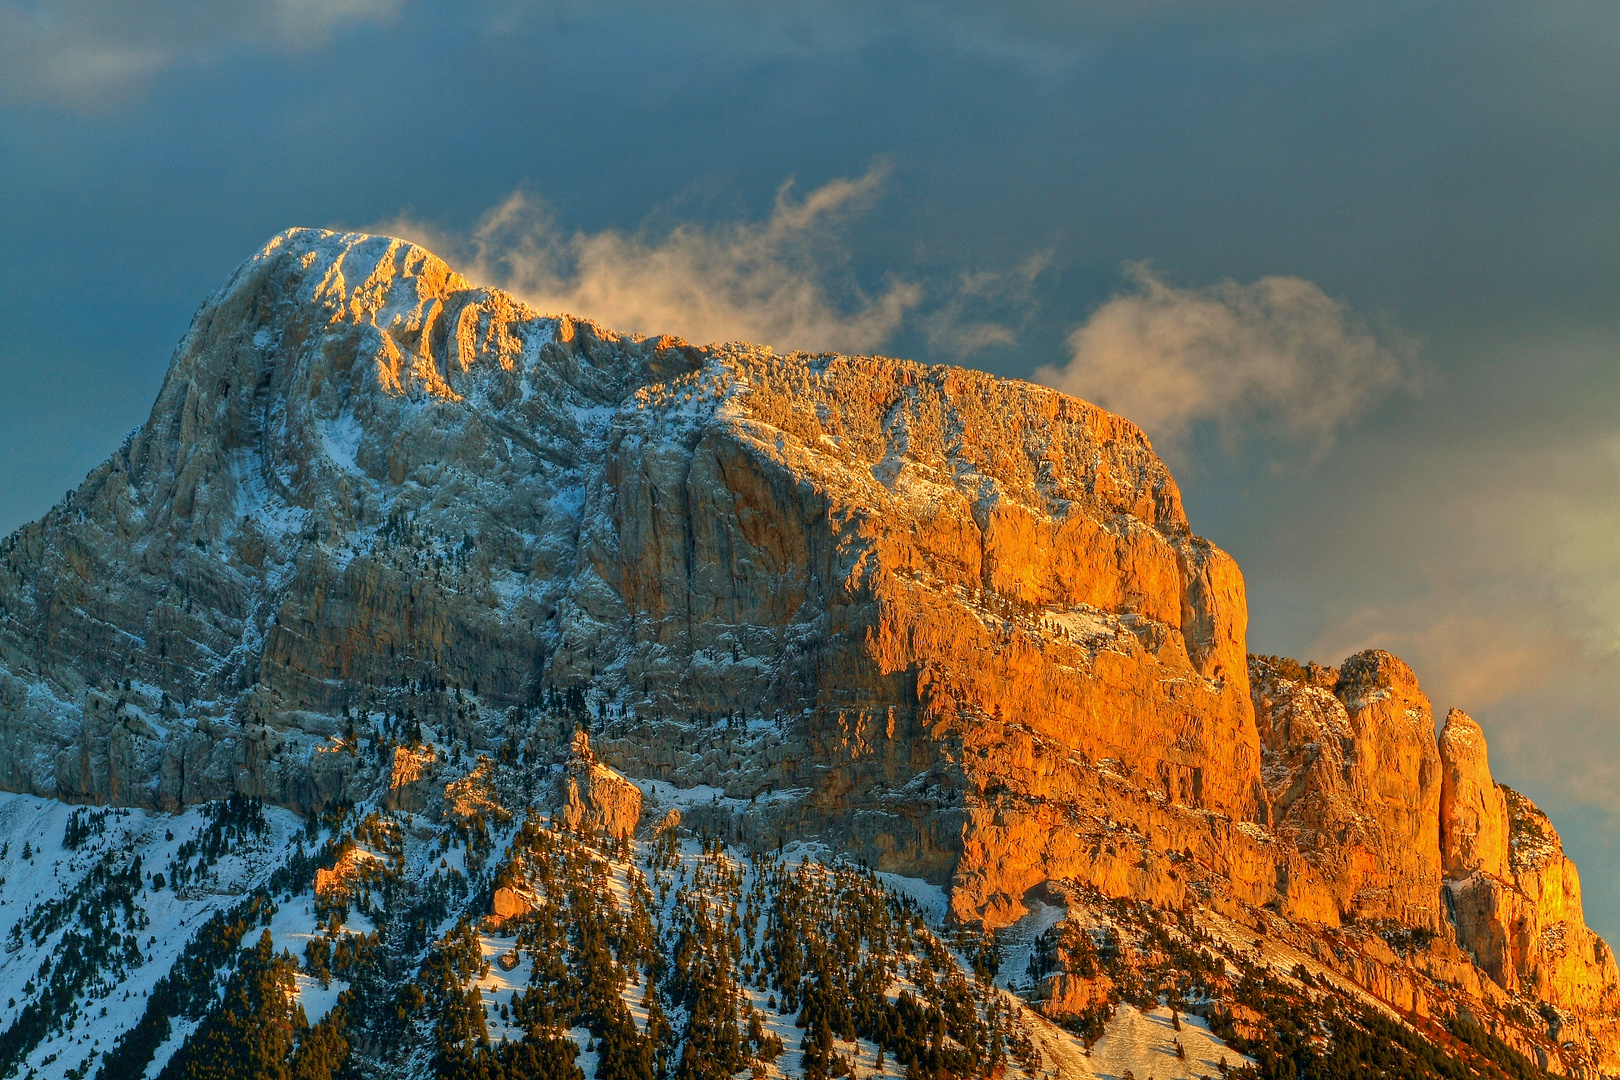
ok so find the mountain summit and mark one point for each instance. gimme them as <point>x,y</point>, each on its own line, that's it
<point>436,625</point>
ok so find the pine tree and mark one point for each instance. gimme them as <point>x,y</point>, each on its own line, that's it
<point>251,1033</point>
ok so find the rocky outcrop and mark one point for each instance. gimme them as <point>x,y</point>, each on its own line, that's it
<point>370,489</point>
<point>1515,898</point>
<point>1061,994</point>
<point>507,903</point>
<point>1398,765</point>
<point>337,886</point>
<point>596,798</point>
<point>1352,774</point>
<point>1359,784</point>
<point>412,779</point>
<point>1473,810</point>
<point>1527,930</point>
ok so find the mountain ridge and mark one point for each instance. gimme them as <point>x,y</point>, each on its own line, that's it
<point>953,627</point>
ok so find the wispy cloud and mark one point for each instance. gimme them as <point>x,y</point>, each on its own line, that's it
<point>87,54</point>
<point>1470,649</point>
<point>1489,565</point>
<point>777,281</point>
<point>1278,355</point>
<point>984,309</point>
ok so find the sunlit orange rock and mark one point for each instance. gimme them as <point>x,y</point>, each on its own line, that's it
<point>1473,810</point>
<point>953,626</point>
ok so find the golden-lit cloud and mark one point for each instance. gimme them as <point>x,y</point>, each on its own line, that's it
<point>777,281</point>
<point>1279,355</point>
<point>1468,652</point>
<point>1504,595</point>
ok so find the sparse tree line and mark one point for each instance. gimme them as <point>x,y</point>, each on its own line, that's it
<point>1293,1029</point>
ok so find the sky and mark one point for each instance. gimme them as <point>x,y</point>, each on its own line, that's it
<point>1352,266</point>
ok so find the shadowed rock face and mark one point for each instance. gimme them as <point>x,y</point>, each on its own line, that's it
<point>1514,895</point>
<point>951,597</point>
<point>1526,930</point>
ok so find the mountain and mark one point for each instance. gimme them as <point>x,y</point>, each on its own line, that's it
<point>568,703</point>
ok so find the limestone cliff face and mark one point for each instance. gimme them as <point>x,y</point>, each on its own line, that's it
<point>893,606</point>
<point>950,625</point>
<point>1398,763</point>
<point>1354,781</point>
<point>1473,810</point>
<point>1515,897</point>
<point>1526,929</point>
<point>1408,828</point>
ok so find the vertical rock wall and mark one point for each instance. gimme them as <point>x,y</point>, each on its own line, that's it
<point>1353,776</point>
<point>1473,810</point>
<point>857,580</point>
<point>1409,828</point>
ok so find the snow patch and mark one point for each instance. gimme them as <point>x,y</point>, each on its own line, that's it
<point>341,439</point>
<point>1143,1044</point>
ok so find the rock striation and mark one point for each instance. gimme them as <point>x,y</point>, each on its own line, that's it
<point>1524,926</point>
<point>1352,773</point>
<point>1412,829</point>
<point>1515,896</point>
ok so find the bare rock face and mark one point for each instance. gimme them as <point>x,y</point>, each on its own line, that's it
<point>856,593</point>
<point>953,626</point>
<point>1527,929</point>
<point>1398,764</point>
<point>507,903</point>
<point>1515,897</point>
<point>413,781</point>
<point>1310,774</point>
<point>1473,811</point>
<point>1352,773</point>
<point>1384,812</point>
<point>595,797</point>
<point>1062,995</point>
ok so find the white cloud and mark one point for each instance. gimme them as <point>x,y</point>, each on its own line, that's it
<point>91,53</point>
<point>1279,355</point>
<point>761,281</point>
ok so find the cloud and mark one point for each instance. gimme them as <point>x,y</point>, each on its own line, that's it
<point>1278,355</point>
<point>1487,562</point>
<point>1469,651</point>
<point>961,325</point>
<point>88,54</point>
<point>767,281</point>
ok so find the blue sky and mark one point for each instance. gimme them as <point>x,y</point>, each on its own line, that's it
<point>1367,253</point>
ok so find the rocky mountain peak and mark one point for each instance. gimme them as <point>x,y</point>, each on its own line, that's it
<point>398,552</point>
<point>363,474</point>
<point>1473,811</point>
